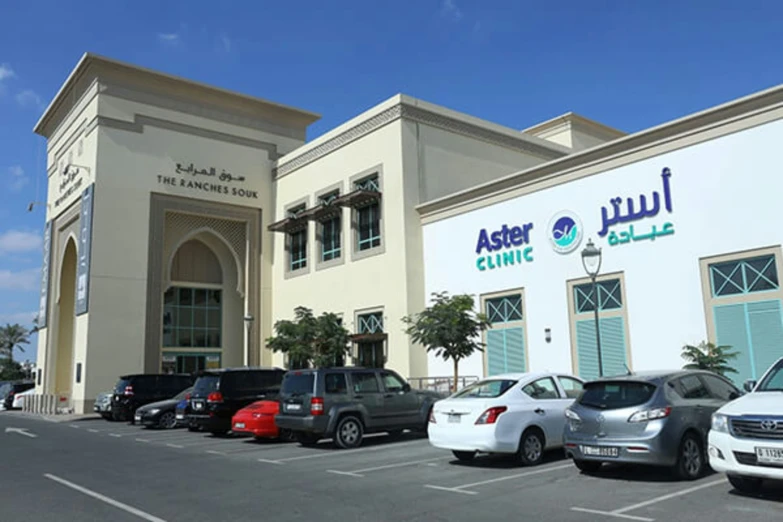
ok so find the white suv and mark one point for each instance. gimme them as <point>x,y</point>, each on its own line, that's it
<point>746,439</point>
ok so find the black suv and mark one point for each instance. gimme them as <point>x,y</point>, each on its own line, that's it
<point>219,394</point>
<point>346,403</point>
<point>134,391</point>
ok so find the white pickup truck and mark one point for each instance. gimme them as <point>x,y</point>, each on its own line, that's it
<point>746,439</point>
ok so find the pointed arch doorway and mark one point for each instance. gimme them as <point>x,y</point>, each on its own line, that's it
<point>66,303</point>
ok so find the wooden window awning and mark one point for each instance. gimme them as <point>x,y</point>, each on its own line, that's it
<point>369,337</point>
<point>322,212</point>
<point>357,198</point>
<point>289,225</point>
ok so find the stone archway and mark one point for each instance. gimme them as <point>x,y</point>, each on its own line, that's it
<point>202,309</point>
<point>63,375</point>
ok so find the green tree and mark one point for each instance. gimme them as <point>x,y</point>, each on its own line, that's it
<point>13,336</point>
<point>309,340</point>
<point>707,356</point>
<point>11,371</point>
<point>450,328</point>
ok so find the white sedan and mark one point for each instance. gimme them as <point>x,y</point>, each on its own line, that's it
<point>520,414</point>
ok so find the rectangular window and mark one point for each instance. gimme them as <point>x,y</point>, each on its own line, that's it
<point>505,350</point>
<point>609,296</point>
<point>371,323</point>
<point>504,309</point>
<point>192,317</point>
<point>331,228</point>
<point>744,276</point>
<point>368,216</point>
<point>298,249</point>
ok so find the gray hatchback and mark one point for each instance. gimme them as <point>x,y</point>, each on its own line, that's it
<point>656,418</point>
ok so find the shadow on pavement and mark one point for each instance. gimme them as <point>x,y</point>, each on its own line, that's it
<point>507,461</point>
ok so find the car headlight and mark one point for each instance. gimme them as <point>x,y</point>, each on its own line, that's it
<point>720,423</point>
<point>154,411</point>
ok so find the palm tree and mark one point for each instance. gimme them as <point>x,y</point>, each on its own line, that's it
<point>13,336</point>
<point>707,356</point>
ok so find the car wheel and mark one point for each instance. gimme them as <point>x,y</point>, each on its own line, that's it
<point>286,435</point>
<point>306,439</point>
<point>168,420</point>
<point>690,459</point>
<point>464,455</point>
<point>349,432</point>
<point>587,466</point>
<point>531,447</point>
<point>745,484</point>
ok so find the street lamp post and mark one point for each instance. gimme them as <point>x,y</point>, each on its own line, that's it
<point>249,325</point>
<point>591,260</point>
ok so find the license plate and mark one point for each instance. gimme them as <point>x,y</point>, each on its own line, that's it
<point>601,451</point>
<point>180,416</point>
<point>239,425</point>
<point>198,405</point>
<point>293,407</point>
<point>455,419</point>
<point>770,456</point>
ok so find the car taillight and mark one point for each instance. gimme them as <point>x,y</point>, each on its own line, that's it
<point>648,415</point>
<point>128,390</point>
<point>432,417</point>
<point>491,415</point>
<point>187,396</point>
<point>316,406</point>
<point>215,397</point>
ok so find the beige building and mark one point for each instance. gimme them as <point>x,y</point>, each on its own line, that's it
<point>183,220</point>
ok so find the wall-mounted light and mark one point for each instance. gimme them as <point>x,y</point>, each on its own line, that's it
<point>548,335</point>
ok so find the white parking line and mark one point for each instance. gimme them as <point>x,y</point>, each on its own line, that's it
<point>74,426</point>
<point>213,452</point>
<point>93,431</point>
<point>128,509</point>
<point>611,514</point>
<point>174,446</point>
<point>337,452</point>
<point>143,440</point>
<point>114,435</point>
<point>620,511</point>
<point>464,487</point>
<point>358,472</point>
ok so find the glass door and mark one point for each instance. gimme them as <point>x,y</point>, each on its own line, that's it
<point>191,363</point>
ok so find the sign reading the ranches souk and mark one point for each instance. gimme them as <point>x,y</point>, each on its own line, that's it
<point>207,180</point>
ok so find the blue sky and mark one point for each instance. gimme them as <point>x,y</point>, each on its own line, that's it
<point>630,65</point>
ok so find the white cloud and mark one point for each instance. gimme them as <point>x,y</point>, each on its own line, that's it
<point>19,241</point>
<point>23,318</point>
<point>6,72</point>
<point>17,178</point>
<point>26,280</point>
<point>450,10</point>
<point>226,42</point>
<point>169,38</point>
<point>29,98</point>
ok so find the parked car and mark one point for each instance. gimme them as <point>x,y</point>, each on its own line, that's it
<point>219,394</point>
<point>657,418</point>
<point>181,413</point>
<point>520,414</point>
<point>15,388</point>
<point>102,405</point>
<point>258,419</point>
<point>5,387</point>
<point>746,439</point>
<point>19,398</point>
<point>134,391</point>
<point>346,403</point>
<point>161,414</point>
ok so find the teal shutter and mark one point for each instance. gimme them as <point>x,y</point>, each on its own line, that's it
<point>766,334</point>
<point>613,347</point>
<point>505,350</point>
<point>731,327</point>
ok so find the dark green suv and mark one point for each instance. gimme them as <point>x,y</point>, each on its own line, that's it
<point>346,403</point>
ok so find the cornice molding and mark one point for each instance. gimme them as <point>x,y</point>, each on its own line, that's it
<point>416,114</point>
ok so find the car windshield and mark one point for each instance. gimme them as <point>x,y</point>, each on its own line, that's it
<point>773,381</point>
<point>121,384</point>
<point>616,395</point>
<point>488,389</point>
<point>298,383</point>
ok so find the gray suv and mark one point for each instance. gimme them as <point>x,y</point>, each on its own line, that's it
<point>346,403</point>
<point>658,418</point>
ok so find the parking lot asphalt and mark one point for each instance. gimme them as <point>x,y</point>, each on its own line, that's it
<point>98,470</point>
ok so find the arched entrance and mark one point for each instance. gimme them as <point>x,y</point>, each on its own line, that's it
<point>202,310</point>
<point>63,383</point>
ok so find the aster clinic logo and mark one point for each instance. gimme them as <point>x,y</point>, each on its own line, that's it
<point>565,232</point>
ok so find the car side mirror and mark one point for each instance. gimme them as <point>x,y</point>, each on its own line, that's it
<point>734,395</point>
<point>406,387</point>
<point>749,385</point>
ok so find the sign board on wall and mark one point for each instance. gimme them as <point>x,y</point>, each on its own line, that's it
<point>85,248</point>
<point>208,180</point>
<point>43,306</point>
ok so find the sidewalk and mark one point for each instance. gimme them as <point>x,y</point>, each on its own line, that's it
<point>64,417</point>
